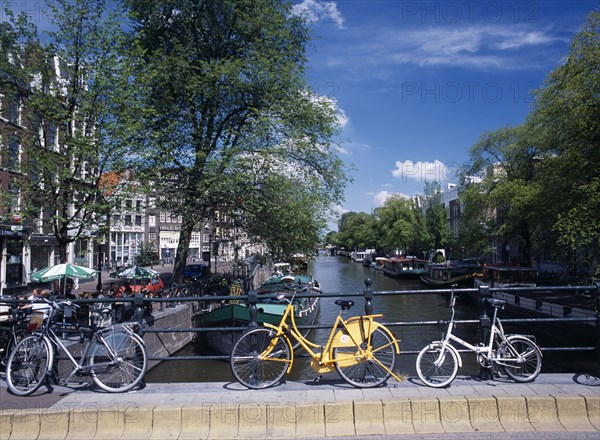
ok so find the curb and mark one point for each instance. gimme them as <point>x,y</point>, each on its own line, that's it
<point>421,416</point>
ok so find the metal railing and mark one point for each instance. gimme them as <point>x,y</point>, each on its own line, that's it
<point>139,305</point>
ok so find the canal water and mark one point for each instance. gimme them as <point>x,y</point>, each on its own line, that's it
<point>344,277</point>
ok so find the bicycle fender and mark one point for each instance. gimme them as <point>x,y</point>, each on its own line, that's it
<point>451,348</point>
<point>286,339</point>
<point>357,332</point>
<point>512,337</point>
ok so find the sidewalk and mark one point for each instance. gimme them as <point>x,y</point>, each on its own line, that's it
<point>553,403</point>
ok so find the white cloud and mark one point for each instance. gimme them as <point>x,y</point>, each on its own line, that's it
<point>319,12</point>
<point>381,197</point>
<point>424,171</point>
<point>482,47</point>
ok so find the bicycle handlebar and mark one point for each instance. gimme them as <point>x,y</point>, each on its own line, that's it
<point>60,304</point>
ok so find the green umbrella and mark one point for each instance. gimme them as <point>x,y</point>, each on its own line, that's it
<point>62,271</point>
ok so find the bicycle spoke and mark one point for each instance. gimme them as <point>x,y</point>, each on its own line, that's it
<point>363,368</point>
<point>259,359</point>
<point>437,365</point>
<point>118,361</point>
<point>28,365</point>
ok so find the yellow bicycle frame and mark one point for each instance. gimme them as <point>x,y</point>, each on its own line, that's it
<point>350,333</point>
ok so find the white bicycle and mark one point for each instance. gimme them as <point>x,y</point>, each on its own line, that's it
<point>518,355</point>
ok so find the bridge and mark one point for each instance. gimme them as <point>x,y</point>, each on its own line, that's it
<point>568,403</point>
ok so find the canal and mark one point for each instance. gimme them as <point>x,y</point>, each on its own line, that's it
<point>339,274</point>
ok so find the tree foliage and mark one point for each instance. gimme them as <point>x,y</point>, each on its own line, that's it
<point>223,84</point>
<point>398,226</point>
<point>70,85</point>
<point>545,182</point>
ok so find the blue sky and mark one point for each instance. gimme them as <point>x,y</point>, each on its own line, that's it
<point>417,83</point>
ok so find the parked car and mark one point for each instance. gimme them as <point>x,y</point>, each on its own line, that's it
<point>195,270</point>
<point>149,285</point>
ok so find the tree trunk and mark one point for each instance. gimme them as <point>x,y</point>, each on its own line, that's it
<point>185,237</point>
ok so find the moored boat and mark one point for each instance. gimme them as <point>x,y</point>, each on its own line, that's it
<point>404,267</point>
<point>537,301</point>
<point>269,310</point>
<point>450,273</point>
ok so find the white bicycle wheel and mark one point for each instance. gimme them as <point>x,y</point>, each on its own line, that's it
<point>437,365</point>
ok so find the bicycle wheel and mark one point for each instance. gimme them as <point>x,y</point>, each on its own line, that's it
<point>367,367</point>
<point>521,359</point>
<point>13,338</point>
<point>118,360</point>
<point>437,366</point>
<point>28,365</point>
<point>259,358</point>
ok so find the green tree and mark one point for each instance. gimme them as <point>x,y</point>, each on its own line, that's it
<point>223,83</point>
<point>356,231</point>
<point>565,124</point>
<point>475,225</point>
<point>507,162</point>
<point>435,216</point>
<point>70,90</point>
<point>541,178</point>
<point>397,225</point>
<point>282,215</point>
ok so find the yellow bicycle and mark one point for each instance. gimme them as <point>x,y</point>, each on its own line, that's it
<point>362,350</point>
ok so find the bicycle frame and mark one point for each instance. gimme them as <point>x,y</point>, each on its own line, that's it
<point>51,337</point>
<point>496,330</point>
<point>348,335</point>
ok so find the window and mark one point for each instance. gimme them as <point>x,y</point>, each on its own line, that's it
<point>138,220</point>
<point>152,220</point>
<point>13,197</point>
<point>14,109</point>
<point>14,153</point>
<point>128,220</point>
<point>52,137</point>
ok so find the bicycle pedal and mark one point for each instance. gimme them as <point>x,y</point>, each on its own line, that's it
<point>318,378</point>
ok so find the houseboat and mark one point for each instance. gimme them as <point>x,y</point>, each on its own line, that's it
<point>536,301</point>
<point>450,273</point>
<point>404,267</point>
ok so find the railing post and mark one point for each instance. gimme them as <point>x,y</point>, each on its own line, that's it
<point>485,373</point>
<point>368,296</point>
<point>138,311</point>
<point>252,301</point>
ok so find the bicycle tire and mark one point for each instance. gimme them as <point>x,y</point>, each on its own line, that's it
<point>527,362</point>
<point>14,338</point>
<point>362,371</point>
<point>118,360</point>
<point>250,367</point>
<point>433,375</point>
<point>28,365</point>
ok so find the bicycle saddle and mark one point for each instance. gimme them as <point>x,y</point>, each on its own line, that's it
<point>344,304</point>
<point>495,302</point>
